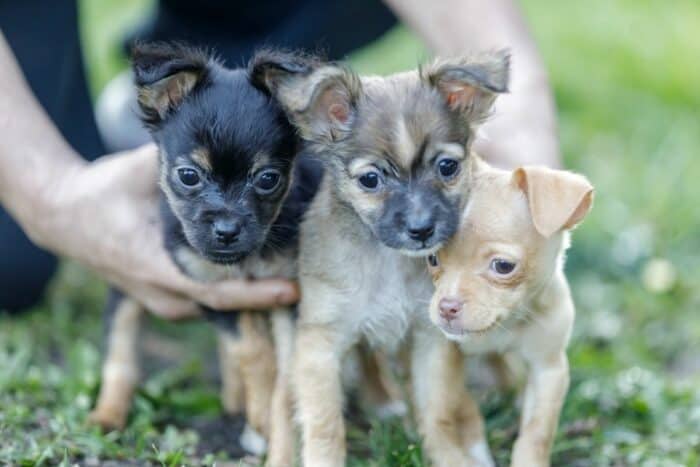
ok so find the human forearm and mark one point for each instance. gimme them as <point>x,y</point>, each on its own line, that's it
<point>33,154</point>
<point>523,129</point>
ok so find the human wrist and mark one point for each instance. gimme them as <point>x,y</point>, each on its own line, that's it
<point>40,203</point>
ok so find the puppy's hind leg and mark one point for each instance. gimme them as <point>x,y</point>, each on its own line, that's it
<point>232,393</point>
<point>378,391</point>
<point>120,369</point>
<point>281,452</point>
<point>257,360</point>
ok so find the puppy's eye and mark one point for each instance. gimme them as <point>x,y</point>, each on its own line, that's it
<point>448,167</point>
<point>267,180</point>
<point>370,181</point>
<point>187,176</point>
<point>502,267</point>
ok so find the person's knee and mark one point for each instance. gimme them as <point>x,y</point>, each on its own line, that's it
<point>25,270</point>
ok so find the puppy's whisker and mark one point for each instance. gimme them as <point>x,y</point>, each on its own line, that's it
<point>532,317</point>
<point>503,327</point>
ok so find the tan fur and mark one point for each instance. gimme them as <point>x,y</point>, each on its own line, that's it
<point>201,157</point>
<point>405,147</point>
<point>377,389</point>
<point>256,379</point>
<point>168,92</point>
<point>255,363</point>
<point>354,287</point>
<point>319,395</point>
<point>232,389</point>
<point>282,434</point>
<point>261,159</point>
<point>520,216</point>
<point>251,354</point>
<point>256,358</point>
<point>120,370</point>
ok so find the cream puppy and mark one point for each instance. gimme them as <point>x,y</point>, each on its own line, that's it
<point>500,286</point>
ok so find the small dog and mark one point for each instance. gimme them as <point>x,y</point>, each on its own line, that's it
<point>397,154</point>
<point>234,192</point>
<point>500,286</point>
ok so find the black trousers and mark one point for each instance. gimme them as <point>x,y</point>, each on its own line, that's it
<point>44,37</point>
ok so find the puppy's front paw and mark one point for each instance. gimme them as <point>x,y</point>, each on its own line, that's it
<point>252,441</point>
<point>391,409</point>
<point>529,454</point>
<point>108,418</point>
<point>480,455</point>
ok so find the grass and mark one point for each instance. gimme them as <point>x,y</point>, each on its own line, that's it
<point>625,76</point>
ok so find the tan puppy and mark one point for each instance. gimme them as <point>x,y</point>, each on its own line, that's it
<point>500,285</point>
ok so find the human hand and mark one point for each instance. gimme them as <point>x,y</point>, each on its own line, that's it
<point>105,215</point>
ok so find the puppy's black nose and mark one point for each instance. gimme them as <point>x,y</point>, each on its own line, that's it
<point>226,231</point>
<point>421,231</point>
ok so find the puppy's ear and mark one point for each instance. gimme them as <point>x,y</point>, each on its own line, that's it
<point>470,85</point>
<point>320,99</point>
<point>269,67</point>
<point>558,199</point>
<point>165,74</point>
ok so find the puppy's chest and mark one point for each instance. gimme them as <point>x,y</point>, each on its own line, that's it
<point>390,296</point>
<point>252,267</point>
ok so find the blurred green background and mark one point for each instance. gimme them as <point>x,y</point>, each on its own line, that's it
<point>625,75</point>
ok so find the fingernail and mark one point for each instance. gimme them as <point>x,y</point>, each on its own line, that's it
<point>287,295</point>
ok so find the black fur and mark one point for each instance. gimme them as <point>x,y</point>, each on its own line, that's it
<point>228,115</point>
<point>224,129</point>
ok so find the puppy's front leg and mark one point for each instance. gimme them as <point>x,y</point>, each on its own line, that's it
<point>548,382</point>
<point>319,396</point>
<point>445,415</point>
<point>281,452</point>
<point>248,373</point>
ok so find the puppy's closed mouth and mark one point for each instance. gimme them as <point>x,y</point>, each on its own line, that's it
<point>225,257</point>
<point>457,333</point>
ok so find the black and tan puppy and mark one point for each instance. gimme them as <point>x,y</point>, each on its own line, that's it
<point>397,153</point>
<point>233,197</point>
